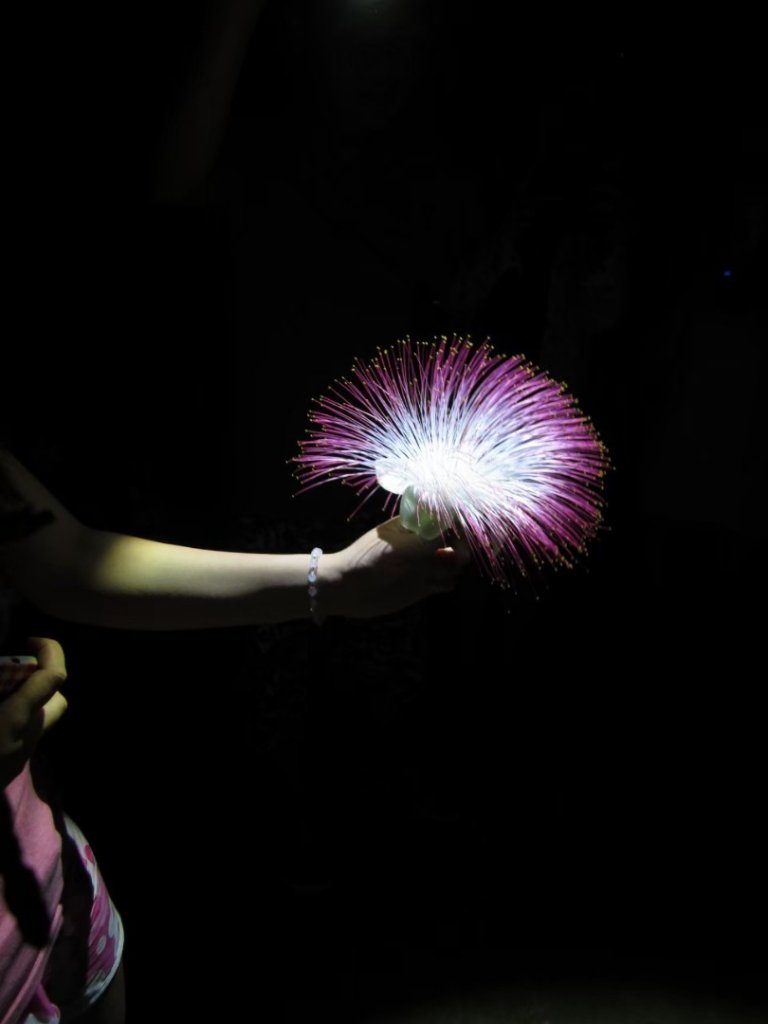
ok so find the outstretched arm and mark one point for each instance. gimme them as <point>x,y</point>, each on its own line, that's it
<point>92,576</point>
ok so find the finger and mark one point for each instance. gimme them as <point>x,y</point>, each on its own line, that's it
<point>458,552</point>
<point>444,575</point>
<point>395,526</point>
<point>53,710</point>
<point>53,669</point>
<point>49,653</point>
<point>39,688</point>
<point>449,562</point>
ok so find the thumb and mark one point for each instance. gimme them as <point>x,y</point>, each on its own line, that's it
<point>46,680</point>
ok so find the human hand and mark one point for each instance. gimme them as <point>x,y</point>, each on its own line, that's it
<point>31,709</point>
<point>385,570</point>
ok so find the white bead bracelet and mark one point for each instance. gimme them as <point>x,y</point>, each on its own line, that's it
<point>314,559</point>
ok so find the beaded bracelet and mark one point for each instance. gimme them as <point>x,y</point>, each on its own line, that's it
<point>314,558</point>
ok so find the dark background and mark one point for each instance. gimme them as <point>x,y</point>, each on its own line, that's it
<point>532,788</point>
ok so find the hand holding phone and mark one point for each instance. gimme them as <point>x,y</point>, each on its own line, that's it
<point>30,702</point>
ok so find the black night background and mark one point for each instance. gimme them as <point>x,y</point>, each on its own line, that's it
<point>211,209</point>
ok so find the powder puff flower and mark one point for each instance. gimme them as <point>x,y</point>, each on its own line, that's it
<point>477,444</point>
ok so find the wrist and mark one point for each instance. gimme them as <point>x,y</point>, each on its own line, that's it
<point>329,575</point>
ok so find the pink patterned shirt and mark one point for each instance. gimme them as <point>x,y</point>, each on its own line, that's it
<point>22,965</point>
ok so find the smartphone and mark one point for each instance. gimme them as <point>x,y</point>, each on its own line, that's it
<point>15,669</point>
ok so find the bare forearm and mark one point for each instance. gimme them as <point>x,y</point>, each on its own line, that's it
<point>132,583</point>
<point>79,574</point>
